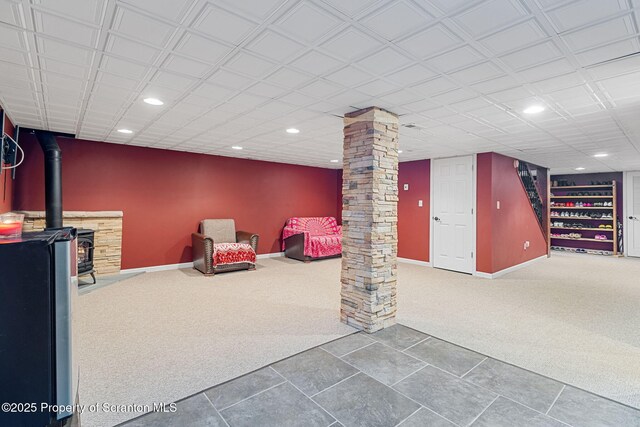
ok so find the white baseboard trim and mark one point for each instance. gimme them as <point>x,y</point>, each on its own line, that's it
<point>508,270</point>
<point>414,261</point>
<point>271,255</point>
<point>184,265</point>
<point>157,268</point>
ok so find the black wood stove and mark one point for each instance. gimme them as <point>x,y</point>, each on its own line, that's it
<point>85,253</point>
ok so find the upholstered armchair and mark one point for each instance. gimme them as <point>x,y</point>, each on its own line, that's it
<point>311,238</point>
<point>218,247</point>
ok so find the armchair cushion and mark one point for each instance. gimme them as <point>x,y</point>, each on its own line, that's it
<point>220,230</point>
<point>233,253</point>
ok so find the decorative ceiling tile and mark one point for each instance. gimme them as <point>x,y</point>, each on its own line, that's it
<point>396,19</point>
<point>243,71</point>
<point>308,23</point>
<point>223,25</point>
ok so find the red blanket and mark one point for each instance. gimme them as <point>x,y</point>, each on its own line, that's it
<point>233,253</point>
<point>322,235</point>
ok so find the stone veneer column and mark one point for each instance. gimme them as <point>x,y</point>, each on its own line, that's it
<point>369,219</point>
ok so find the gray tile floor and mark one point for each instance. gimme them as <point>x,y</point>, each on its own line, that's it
<point>397,376</point>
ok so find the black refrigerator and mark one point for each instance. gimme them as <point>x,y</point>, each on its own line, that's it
<point>38,289</point>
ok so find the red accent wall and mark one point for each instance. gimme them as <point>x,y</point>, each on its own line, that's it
<point>501,233</point>
<point>6,183</point>
<point>164,194</point>
<point>413,221</point>
<point>484,212</point>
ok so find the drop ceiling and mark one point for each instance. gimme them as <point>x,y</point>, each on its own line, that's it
<point>239,72</point>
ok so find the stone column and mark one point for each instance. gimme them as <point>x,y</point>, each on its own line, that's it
<point>369,219</point>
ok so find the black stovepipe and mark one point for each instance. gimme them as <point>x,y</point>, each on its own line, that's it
<point>52,177</point>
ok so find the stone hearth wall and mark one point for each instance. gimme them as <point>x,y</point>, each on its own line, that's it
<point>108,234</point>
<point>369,219</point>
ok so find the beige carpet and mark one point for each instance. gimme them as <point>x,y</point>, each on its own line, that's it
<point>162,336</point>
<point>573,317</point>
<point>159,337</point>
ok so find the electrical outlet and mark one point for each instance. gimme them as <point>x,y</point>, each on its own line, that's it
<point>406,187</point>
<point>419,203</point>
<point>526,245</point>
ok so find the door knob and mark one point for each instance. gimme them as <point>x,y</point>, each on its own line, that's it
<point>633,217</point>
<point>436,218</point>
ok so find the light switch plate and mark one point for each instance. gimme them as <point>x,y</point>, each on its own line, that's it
<point>419,203</point>
<point>406,187</point>
<point>498,204</point>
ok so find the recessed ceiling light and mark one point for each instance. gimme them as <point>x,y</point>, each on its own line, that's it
<point>293,130</point>
<point>236,147</point>
<point>399,151</point>
<point>600,155</point>
<point>127,131</point>
<point>534,109</point>
<point>580,169</point>
<point>153,101</point>
<point>334,161</point>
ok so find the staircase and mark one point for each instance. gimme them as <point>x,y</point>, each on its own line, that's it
<point>531,189</point>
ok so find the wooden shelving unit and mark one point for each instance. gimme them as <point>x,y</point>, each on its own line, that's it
<point>560,195</point>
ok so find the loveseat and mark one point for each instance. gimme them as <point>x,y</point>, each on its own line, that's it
<point>311,238</point>
<point>218,247</point>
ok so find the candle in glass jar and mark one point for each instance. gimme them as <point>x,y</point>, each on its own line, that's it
<point>10,228</point>
<point>10,225</point>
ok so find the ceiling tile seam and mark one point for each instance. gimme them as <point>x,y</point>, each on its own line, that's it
<point>591,24</point>
<point>108,13</point>
<point>446,76</point>
<point>24,41</point>
<point>389,4</point>
<point>603,45</point>
<point>205,78</point>
<point>29,31</point>
<point>385,43</point>
<point>470,40</point>
<point>219,65</point>
<point>170,43</point>
<point>456,10</point>
<point>36,73</point>
<point>43,10</point>
<point>96,60</point>
<point>180,22</point>
<point>584,75</point>
<point>359,15</point>
<point>32,31</point>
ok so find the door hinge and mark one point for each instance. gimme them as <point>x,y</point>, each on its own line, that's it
<point>471,255</point>
<point>471,211</point>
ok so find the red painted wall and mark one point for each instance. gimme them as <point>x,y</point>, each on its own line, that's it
<point>6,183</point>
<point>164,194</point>
<point>484,212</point>
<point>501,233</point>
<point>413,221</point>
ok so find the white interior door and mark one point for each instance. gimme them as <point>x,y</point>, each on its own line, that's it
<point>452,214</point>
<point>633,214</point>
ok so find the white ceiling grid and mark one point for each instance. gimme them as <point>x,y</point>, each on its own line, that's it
<point>239,72</point>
